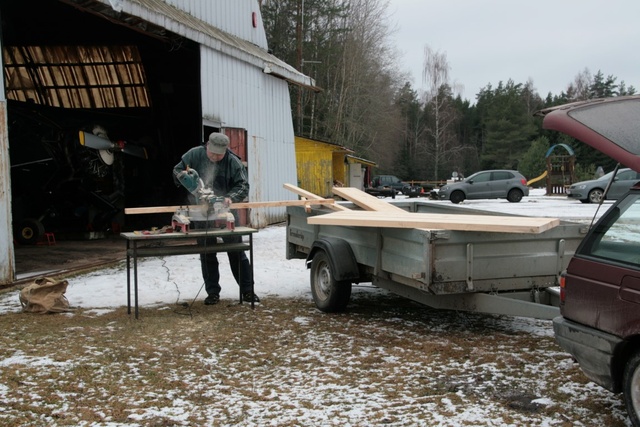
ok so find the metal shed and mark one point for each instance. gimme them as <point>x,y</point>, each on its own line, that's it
<point>323,164</point>
<point>156,75</point>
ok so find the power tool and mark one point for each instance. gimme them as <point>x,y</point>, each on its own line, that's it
<point>209,208</point>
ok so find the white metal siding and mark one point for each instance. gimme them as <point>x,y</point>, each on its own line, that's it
<point>236,92</point>
<point>238,95</point>
<point>232,16</point>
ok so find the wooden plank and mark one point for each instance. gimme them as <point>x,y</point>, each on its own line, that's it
<point>500,224</point>
<point>310,196</point>
<point>239,205</point>
<point>159,209</point>
<point>364,200</point>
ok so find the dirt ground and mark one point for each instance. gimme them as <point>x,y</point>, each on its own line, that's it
<point>66,255</point>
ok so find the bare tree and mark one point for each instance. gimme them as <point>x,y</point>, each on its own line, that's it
<point>578,90</point>
<point>438,102</point>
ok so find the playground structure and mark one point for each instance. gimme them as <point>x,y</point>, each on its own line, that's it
<point>560,172</point>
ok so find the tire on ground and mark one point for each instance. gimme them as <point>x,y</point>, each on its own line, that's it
<point>456,197</point>
<point>330,295</point>
<point>515,195</point>
<point>29,231</point>
<point>631,388</point>
<point>595,195</point>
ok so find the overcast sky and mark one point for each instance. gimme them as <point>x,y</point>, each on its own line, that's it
<point>549,41</point>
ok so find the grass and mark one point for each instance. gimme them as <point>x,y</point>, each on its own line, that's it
<point>387,361</point>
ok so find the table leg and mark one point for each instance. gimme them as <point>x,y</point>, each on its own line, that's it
<point>252,276</point>
<point>135,276</point>
<point>128,280</point>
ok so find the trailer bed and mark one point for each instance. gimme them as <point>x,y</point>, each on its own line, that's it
<point>446,268</point>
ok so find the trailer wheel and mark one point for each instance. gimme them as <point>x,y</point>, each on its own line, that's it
<point>631,388</point>
<point>330,295</point>
<point>29,232</point>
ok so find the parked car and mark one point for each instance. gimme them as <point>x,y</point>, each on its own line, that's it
<point>390,185</point>
<point>600,289</point>
<point>491,184</point>
<point>592,191</point>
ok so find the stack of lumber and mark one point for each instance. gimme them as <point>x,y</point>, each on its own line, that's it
<point>379,213</point>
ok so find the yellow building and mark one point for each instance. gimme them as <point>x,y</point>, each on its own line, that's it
<point>321,165</point>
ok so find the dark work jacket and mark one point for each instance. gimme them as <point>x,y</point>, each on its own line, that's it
<point>227,178</point>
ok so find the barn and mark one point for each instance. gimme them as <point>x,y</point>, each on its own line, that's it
<point>150,79</point>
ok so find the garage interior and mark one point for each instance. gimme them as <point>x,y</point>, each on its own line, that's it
<point>76,65</point>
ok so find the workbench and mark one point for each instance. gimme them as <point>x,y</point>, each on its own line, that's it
<point>140,245</point>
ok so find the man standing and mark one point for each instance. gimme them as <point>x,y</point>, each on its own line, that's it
<point>214,166</point>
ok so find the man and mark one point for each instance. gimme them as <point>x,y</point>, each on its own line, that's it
<point>214,166</point>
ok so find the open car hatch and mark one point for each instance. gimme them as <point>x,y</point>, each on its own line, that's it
<point>610,125</point>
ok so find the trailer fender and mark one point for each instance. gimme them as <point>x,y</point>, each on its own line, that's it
<point>343,262</point>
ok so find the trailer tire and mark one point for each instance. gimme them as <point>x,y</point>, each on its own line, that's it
<point>329,294</point>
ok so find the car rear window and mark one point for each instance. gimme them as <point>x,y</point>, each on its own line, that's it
<point>617,122</point>
<point>617,238</point>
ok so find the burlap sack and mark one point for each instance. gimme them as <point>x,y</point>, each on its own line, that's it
<point>45,295</point>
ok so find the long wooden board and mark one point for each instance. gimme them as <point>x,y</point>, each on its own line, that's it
<point>501,224</point>
<point>364,200</point>
<point>239,205</point>
<point>310,196</point>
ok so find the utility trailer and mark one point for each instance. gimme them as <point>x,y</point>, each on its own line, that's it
<point>489,272</point>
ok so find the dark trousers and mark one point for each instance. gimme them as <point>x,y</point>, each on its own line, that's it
<point>238,261</point>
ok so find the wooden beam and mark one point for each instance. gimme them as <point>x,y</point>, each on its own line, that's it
<point>310,196</point>
<point>364,200</point>
<point>239,205</point>
<point>500,224</point>
<point>158,209</point>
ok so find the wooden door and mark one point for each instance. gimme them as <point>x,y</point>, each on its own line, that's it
<point>238,144</point>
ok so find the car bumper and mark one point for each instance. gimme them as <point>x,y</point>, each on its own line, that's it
<point>381,192</point>
<point>593,349</point>
<point>576,194</point>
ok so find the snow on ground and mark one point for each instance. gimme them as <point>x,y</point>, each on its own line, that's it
<point>178,279</point>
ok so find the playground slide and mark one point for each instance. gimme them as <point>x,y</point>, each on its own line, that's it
<point>538,178</point>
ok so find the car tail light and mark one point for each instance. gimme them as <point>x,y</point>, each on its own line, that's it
<point>563,281</point>
<point>523,181</point>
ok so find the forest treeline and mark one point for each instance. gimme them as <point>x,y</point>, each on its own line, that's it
<point>368,104</point>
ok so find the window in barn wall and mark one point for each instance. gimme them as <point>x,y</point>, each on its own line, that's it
<point>76,76</point>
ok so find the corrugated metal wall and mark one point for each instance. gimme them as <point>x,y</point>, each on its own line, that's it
<point>238,95</point>
<point>315,166</point>
<point>232,16</point>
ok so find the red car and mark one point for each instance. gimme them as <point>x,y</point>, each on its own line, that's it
<point>600,291</point>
